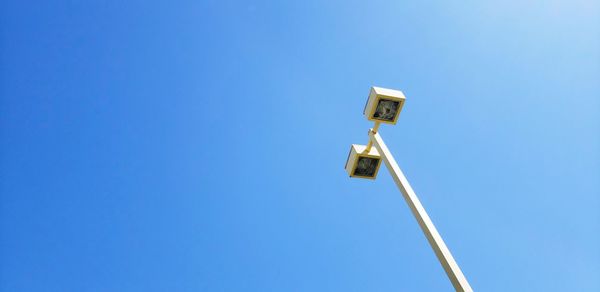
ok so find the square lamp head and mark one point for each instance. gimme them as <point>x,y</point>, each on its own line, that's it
<point>384,105</point>
<point>361,163</point>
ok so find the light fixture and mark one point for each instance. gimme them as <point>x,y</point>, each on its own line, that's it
<point>384,106</point>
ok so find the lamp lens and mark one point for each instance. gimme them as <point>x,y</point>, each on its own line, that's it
<point>386,110</point>
<point>366,166</point>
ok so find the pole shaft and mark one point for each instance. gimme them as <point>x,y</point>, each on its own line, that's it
<point>435,239</point>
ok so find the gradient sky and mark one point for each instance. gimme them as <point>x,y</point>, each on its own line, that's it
<point>200,145</point>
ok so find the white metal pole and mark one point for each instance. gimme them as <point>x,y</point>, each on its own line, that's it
<point>435,240</point>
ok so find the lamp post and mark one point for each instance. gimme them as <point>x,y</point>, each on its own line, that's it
<point>384,106</point>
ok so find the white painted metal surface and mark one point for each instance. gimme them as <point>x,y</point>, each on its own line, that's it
<point>435,240</point>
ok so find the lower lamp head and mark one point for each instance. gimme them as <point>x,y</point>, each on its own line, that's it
<point>362,163</point>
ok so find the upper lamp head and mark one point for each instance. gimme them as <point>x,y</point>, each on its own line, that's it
<point>362,163</point>
<point>384,105</point>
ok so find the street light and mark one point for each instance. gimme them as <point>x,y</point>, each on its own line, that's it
<point>384,106</point>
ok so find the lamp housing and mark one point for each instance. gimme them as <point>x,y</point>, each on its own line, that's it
<point>384,105</point>
<point>362,163</point>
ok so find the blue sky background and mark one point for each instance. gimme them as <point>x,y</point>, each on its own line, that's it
<point>200,145</point>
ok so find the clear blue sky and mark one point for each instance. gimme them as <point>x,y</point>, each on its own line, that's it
<point>200,145</point>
